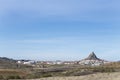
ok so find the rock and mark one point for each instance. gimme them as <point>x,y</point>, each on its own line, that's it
<point>92,56</point>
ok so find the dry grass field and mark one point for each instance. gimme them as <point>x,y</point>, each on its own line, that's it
<point>12,74</point>
<point>98,76</point>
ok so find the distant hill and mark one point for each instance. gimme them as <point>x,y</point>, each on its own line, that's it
<point>92,60</point>
<point>5,59</point>
<point>6,63</point>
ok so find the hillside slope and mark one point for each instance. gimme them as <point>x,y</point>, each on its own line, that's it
<point>7,63</point>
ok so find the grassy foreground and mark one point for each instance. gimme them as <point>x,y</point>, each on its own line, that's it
<point>64,72</point>
<point>98,76</point>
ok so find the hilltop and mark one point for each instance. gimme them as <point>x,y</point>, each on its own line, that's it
<point>92,56</point>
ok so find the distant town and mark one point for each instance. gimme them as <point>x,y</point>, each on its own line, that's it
<point>91,60</point>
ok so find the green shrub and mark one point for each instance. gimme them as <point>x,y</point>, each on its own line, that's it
<point>47,75</point>
<point>1,77</point>
<point>13,77</point>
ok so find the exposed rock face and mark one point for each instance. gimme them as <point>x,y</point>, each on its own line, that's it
<point>92,60</point>
<point>92,56</point>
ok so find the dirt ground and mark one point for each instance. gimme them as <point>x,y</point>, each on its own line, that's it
<point>98,76</point>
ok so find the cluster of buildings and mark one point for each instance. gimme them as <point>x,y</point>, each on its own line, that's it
<point>57,62</point>
<point>92,62</point>
<point>26,62</point>
<point>30,62</point>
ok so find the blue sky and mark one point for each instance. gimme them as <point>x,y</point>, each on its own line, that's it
<point>59,29</point>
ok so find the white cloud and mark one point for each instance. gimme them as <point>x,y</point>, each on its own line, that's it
<point>39,41</point>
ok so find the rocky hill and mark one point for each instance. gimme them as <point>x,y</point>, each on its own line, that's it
<point>92,56</point>
<point>92,60</point>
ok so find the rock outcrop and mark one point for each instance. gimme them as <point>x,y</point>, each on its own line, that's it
<point>92,60</point>
<point>92,56</point>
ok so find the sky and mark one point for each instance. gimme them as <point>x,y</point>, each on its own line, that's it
<point>59,29</point>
